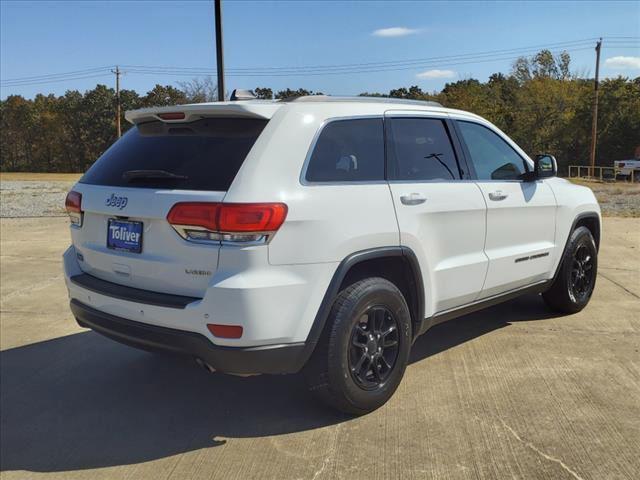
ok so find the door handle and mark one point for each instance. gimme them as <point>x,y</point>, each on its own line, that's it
<point>497,195</point>
<point>413,199</point>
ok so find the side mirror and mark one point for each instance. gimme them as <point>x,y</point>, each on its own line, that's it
<point>545,166</point>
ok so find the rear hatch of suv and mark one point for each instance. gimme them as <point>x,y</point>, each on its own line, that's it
<point>124,236</point>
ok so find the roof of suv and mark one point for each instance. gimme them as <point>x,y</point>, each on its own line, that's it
<point>267,108</point>
<point>331,99</point>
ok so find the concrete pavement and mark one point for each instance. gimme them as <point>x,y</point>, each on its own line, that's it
<point>511,392</point>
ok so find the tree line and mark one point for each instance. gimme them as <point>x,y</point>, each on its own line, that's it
<point>540,104</point>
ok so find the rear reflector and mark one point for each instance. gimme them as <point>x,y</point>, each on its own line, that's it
<point>229,217</point>
<point>225,331</point>
<point>172,116</point>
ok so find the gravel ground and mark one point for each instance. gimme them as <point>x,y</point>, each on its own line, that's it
<point>45,198</point>
<point>618,199</point>
<point>32,198</point>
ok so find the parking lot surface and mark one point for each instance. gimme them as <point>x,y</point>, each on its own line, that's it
<point>510,392</point>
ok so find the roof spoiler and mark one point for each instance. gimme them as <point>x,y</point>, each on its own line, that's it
<point>192,112</point>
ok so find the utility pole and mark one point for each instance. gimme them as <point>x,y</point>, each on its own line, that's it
<point>117,72</point>
<point>219,54</point>
<point>594,121</point>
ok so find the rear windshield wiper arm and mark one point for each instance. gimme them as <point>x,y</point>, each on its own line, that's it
<point>133,175</point>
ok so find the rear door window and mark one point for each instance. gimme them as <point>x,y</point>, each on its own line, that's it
<point>420,149</point>
<point>349,150</point>
<point>201,155</point>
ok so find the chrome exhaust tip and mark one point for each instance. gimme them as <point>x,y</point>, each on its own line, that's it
<point>204,365</point>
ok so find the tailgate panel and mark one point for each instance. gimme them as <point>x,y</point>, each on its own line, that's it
<point>167,263</point>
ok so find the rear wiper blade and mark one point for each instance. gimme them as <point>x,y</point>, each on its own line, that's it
<point>133,175</point>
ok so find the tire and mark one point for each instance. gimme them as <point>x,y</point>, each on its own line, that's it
<point>576,278</point>
<point>363,352</point>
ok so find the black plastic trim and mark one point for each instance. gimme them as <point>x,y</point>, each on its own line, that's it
<point>275,359</point>
<point>463,161</point>
<point>131,294</point>
<point>488,302</point>
<point>341,272</point>
<point>578,218</point>
<point>582,216</point>
<point>471,169</point>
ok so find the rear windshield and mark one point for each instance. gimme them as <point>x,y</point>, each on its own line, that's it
<point>201,155</point>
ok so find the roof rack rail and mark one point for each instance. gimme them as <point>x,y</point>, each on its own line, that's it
<point>329,98</point>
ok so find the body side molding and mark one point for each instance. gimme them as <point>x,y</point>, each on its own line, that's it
<point>453,313</point>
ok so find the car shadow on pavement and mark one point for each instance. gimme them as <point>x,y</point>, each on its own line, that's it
<point>460,330</point>
<point>83,401</point>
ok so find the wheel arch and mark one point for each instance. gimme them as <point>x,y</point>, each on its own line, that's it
<point>397,264</point>
<point>590,220</point>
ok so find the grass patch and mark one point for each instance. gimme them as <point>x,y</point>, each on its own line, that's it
<point>39,177</point>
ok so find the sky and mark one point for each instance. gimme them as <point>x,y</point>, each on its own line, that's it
<point>386,44</point>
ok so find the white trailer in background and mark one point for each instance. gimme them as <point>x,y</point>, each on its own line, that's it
<point>627,169</point>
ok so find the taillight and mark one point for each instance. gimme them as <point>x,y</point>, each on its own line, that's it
<point>227,222</point>
<point>195,214</point>
<point>73,205</point>
<point>251,217</point>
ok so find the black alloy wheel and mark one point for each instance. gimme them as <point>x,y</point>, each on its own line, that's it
<point>582,274</point>
<point>374,347</point>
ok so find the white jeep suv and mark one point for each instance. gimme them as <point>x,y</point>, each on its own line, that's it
<point>319,234</point>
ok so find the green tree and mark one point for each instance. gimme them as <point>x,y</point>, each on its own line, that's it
<point>164,95</point>
<point>469,95</point>
<point>540,105</point>
<point>129,100</point>
<point>263,93</point>
<point>301,92</point>
<point>619,119</point>
<point>199,90</point>
<point>18,119</point>
<point>541,65</point>
<point>98,117</point>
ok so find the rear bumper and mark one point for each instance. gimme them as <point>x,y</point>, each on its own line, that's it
<point>246,290</point>
<point>277,359</point>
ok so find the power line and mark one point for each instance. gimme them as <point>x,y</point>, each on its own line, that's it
<point>46,82</point>
<point>371,64</point>
<point>339,72</point>
<point>54,75</point>
<point>258,69</point>
<point>394,62</point>
<point>318,70</point>
<point>417,62</point>
<point>150,70</point>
